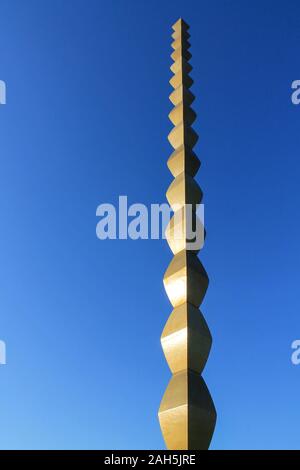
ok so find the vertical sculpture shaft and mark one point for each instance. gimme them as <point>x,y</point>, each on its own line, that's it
<point>187,414</point>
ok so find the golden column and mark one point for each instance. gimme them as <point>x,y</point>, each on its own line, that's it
<point>187,414</point>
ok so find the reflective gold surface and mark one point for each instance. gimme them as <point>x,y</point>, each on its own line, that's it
<point>183,160</point>
<point>185,280</point>
<point>186,339</point>
<point>183,190</point>
<point>187,414</point>
<point>177,232</point>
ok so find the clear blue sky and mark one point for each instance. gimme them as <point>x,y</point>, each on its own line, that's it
<point>85,121</point>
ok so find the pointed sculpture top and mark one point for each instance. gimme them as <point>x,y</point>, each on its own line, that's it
<point>180,24</point>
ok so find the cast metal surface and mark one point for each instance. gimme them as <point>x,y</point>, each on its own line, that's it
<point>187,414</point>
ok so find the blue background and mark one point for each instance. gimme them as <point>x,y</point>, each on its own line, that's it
<point>86,121</point>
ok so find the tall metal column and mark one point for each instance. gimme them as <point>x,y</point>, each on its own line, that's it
<point>187,414</point>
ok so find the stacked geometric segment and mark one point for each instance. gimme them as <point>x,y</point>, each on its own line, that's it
<point>187,414</point>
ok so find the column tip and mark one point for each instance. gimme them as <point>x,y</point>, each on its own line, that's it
<point>180,24</point>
